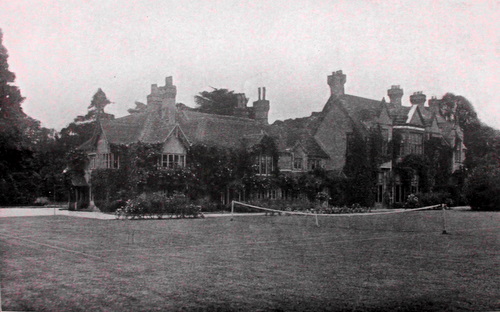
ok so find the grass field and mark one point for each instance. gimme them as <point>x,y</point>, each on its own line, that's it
<point>255,263</point>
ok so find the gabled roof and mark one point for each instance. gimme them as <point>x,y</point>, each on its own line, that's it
<point>226,131</point>
<point>124,130</point>
<point>291,132</point>
<point>150,127</point>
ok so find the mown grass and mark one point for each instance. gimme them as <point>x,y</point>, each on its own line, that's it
<point>249,264</point>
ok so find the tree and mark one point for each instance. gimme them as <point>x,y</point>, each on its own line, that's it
<point>359,172</point>
<point>83,127</point>
<point>480,139</point>
<point>139,108</point>
<point>217,101</point>
<point>24,144</point>
<point>97,105</point>
<point>482,188</point>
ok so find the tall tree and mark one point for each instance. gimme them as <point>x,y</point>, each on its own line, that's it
<point>82,128</point>
<point>482,141</point>
<point>217,101</point>
<point>97,105</point>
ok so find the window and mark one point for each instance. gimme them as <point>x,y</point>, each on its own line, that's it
<point>458,152</point>
<point>414,184</point>
<point>313,163</point>
<point>385,141</point>
<point>398,190</point>
<point>380,187</point>
<point>173,161</point>
<point>297,163</point>
<point>264,164</point>
<point>108,161</point>
<point>92,161</point>
<point>411,143</point>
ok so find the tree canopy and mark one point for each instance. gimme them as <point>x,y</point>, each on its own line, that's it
<point>217,101</point>
<point>97,105</point>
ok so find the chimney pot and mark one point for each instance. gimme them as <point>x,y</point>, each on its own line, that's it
<point>395,94</point>
<point>418,98</point>
<point>336,81</point>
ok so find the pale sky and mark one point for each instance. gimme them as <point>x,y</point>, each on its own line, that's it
<point>63,51</point>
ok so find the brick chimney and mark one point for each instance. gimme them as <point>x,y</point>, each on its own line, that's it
<point>336,81</point>
<point>261,107</point>
<point>162,100</point>
<point>434,104</point>
<point>241,109</point>
<point>395,94</point>
<point>418,98</point>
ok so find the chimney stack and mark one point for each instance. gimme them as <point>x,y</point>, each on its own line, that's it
<point>336,81</point>
<point>261,108</point>
<point>395,94</point>
<point>241,109</point>
<point>434,104</point>
<point>161,100</point>
<point>418,98</point>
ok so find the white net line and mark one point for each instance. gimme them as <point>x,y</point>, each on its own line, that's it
<point>334,214</point>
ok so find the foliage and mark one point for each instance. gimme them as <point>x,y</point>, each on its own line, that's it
<point>158,205</point>
<point>139,108</point>
<point>435,198</point>
<point>41,201</point>
<point>27,168</point>
<point>96,108</point>
<point>482,188</point>
<point>482,141</point>
<point>412,201</point>
<point>108,186</point>
<point>217,101</point>
<point>358,169</point>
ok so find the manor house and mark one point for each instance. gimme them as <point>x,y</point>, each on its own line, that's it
<point>320,141</point>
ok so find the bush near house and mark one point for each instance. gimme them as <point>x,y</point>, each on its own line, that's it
<point>158,205</point>
<point>482,188</point>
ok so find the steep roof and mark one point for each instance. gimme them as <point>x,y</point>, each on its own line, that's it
<point>226,131</point>
<point>124,130</point>
<point>362,109</point>
<point>291,132</point>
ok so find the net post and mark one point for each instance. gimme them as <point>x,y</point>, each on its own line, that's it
<point>316,215</point>
<point>232,210</point>
<point>443,208</point>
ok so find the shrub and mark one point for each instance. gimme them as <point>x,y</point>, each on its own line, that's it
<point>158,205</point>
<point>41,201</point>
<point>111,207</point>
<point>412,201</point>
<point>482,188</point>
<point>430,199</point>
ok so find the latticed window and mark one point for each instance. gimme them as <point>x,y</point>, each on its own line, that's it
<point>264,164</point>
<point>173,161</point>
<point>412,143</point>
<point>108,161</point>
<point>458,152</point>
<point>313,163</point>
<point>385,141</point>
<point>297,163</point>
<point>92,161</point>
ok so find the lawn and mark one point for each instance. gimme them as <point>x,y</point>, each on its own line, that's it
<point>256,263</point>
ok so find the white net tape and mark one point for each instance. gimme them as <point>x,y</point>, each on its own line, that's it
<point>397,219</point>
<point>334,214</point>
